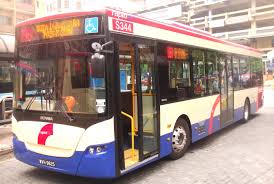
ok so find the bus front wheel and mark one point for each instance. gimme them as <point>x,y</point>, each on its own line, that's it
<point>180,139</point>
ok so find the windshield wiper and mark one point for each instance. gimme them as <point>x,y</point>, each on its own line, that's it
<point>62,109</point>
<point>49,96</point>
<point>32,100</point>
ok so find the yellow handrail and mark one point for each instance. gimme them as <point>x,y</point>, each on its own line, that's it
<point>132,133</point>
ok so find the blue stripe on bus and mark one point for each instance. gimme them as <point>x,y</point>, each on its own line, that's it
<point>238,114</point>
<point>200,129</point>
<point>99,165</point>
<point>63,165</point>
<point>165,145</point>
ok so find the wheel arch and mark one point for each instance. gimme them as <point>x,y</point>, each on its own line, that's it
<point>186,118</point>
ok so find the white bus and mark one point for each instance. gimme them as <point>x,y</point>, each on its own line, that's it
<point>101,93</point>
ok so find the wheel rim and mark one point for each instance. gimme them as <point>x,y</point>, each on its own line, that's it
<point>246,112</point>
<point>179,139</point>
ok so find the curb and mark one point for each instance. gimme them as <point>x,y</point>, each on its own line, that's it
<point>4,149</point>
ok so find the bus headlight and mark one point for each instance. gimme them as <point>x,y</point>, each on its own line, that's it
<point>96,149</point>
<point>91,151</point>
<point>99,149</point>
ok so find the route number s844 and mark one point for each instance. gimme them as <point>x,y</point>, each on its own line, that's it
<point>123,26</point>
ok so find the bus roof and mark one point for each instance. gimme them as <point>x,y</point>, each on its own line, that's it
<point>168,31</point>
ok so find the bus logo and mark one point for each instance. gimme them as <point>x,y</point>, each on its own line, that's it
<point>46,118</point>
<point>44,133</point>
<point>91,25</point>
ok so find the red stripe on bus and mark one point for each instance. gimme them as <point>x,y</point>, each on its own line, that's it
<point>210,126</point>
<point>186,31</point>
<point>135,19</point>
<point>44,133</point>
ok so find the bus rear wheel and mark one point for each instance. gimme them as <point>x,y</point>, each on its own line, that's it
<point>180,139</point>
<point>246,111</point>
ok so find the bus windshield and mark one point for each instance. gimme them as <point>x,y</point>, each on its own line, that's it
<point>61,76</point>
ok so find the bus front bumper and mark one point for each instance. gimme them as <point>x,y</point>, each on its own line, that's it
<point>97,165</point>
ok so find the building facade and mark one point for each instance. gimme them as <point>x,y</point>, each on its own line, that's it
<point>14,11</point>
<point>47,7</point>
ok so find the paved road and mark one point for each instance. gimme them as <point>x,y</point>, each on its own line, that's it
<point>240,154</point>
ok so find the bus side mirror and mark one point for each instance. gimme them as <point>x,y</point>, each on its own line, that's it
<point>97,65</point>
<point>97,56</point>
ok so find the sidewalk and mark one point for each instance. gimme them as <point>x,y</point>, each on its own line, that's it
<point>5,140</point>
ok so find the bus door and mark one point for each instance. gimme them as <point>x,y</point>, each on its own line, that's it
<point>139,124</point>
<point>227,93</point>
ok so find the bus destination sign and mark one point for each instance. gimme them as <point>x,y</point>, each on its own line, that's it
<point>123,26</point>
<point>58,29</point>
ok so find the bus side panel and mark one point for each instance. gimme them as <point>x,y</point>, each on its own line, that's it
<point>203,113</point>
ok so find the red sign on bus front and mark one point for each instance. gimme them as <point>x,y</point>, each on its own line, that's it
<point>123,26</point>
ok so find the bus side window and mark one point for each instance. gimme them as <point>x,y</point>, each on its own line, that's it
<point>236,74</point>
<point>174,73</point>
<point>212,74</point>
<point>199,82</point>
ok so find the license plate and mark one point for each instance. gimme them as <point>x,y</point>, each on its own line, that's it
<point>47,163</point>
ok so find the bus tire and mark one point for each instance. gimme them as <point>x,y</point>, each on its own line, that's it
<point>180,139</point>
<point>246,111</point>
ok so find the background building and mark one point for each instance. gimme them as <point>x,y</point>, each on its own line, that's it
<point>46,7</point>
<point>14,11</point>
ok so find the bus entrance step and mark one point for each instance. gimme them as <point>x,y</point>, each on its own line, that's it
<point>129,158</point>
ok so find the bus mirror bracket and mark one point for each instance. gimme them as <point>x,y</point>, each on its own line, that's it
<point>98,48</point>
